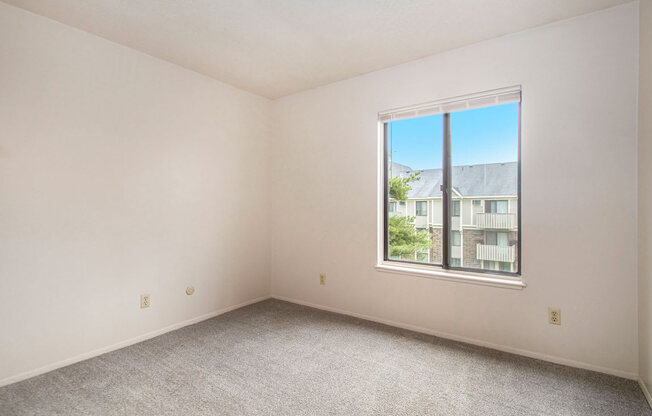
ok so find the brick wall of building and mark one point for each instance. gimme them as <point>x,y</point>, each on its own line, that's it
<point>470,239</point>
<point>436,251</point>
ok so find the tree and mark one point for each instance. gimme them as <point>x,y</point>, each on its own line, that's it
<point>404,240</point>
<point>399,187</point>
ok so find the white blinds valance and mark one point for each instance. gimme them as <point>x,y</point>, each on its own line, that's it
<point>467,102</point>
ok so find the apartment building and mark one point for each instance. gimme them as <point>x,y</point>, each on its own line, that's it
<point>483,214</point>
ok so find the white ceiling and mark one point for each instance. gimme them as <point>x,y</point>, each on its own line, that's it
<point>278,47</point>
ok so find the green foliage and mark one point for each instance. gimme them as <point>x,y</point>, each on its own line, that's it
<point>404,240</point>
<point>399,187</point>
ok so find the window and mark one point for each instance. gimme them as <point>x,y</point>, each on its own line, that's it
<point>496,207</point>
<point>422,208</point>
<point>491,238</point>
<point>453,158</point>
<point>457,238</point>
<point>502,266</point>
<point>456,208</point>
<point>495,238</point>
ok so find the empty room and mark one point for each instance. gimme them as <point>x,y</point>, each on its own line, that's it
<point>310,207</point>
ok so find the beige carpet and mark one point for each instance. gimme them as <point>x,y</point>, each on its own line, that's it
<point>277,358</point>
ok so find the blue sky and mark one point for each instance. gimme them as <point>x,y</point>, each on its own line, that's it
<point>484,135</point>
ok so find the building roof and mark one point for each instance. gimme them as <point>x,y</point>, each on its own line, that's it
<point>493,179</point>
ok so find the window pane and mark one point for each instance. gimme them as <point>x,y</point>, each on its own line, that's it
<point>457,238</point>
<point>502,239</point>
<point>414,171</point>
<point>505,266</point>
<point>491,238</point>
<point>484,157</point>
<point>456,207</point>
<point>421,208</point>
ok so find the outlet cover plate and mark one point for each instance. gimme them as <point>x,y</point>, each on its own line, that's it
<point>144,301</point>
<point>554,316</point>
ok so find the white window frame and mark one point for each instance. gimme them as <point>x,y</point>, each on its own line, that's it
<point>416,207</point>
<point>428,271</point>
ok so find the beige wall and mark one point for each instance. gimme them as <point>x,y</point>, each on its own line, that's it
<point>645,193</point>
<point>120,174</point>
<point>579,81</point>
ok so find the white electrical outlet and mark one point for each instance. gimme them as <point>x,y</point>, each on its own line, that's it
<point>322,278</point>
<point>554,316</point>
<point>144,301</point>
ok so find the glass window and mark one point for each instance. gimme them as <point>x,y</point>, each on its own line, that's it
<point>421,208</point>
<point>496,207</point>
<point>413,167</point>
<point>460,152</point>
<point>490,265</point>
<point>491,238</point>
<point>484,145</point>
<point>456,208</point>
<point>496,238</point>
<point>457,238</point>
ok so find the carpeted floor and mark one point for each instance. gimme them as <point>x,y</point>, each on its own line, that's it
<point>277,358</point>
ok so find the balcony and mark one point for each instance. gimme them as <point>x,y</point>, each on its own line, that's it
<point>495,253</point>
<point>496,221</point>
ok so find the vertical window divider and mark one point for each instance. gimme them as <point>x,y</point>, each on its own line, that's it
<point>518,193</point>
<point>446,188</point>
<point>386,194</point>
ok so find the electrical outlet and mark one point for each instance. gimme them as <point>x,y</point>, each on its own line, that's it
<point>554,316</point>
<point>322,278</point>
<point>144,301</point>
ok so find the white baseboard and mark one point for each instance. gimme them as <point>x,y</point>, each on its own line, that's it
<point>641,383</point>
<point>125,343</point>
<point>152,334</point>
<point>504,348</point>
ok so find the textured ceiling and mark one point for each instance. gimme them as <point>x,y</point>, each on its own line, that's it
<point>278,47</point>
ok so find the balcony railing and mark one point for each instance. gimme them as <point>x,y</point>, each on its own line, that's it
<point>496,221</point>
<point>495,253</point>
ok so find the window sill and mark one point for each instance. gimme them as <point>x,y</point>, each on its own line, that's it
<point>464,277</point>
